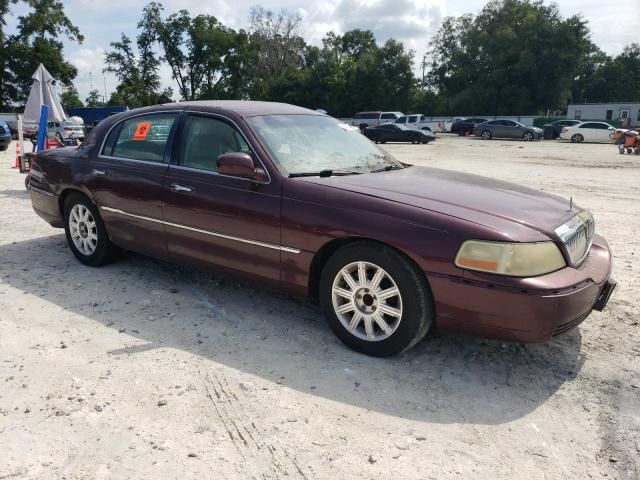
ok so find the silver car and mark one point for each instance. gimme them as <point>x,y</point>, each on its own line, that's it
<point>66,129</point>
<point>506,129</point>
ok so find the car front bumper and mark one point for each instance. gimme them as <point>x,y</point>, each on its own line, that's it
<point>526,310</point>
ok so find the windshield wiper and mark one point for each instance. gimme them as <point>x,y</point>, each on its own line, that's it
<point>326,173</point>
<point>386,168</point>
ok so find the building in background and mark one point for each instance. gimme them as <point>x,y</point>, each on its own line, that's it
<point>627,113</point>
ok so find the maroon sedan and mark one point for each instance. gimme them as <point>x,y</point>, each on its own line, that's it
<point>296,199</point>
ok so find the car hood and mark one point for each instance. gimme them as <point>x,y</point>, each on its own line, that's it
<point>485,201</point>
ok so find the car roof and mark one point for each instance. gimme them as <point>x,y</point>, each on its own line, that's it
<point>243,108</point>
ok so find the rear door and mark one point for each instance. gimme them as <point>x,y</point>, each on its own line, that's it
<point>510,129</point>
<point>218,220</point>
<point>126,178</point>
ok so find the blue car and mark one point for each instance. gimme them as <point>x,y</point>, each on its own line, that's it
<point>5,135</point>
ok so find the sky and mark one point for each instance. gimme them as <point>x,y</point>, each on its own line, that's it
<point>411,21</point>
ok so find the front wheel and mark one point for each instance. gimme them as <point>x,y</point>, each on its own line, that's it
<point>527,137</point>
<point>85,231</point>
<point>577,138</point>
<point>375,300</point>
<point>486,135</point>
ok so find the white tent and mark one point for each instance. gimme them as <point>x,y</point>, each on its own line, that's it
<point>43,92</point>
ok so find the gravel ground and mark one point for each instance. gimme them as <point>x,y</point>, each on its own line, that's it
<point>146,370</point>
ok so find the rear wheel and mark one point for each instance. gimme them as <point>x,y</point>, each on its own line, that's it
<point>375,300</point>
<point>86,234</point>
<point>486,135</point>
<point>577,138</point>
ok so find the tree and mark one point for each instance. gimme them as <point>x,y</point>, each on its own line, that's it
<point>138,72</point>
<point>199,50</point>
<point>606,79</point>
<point>516,56</point>
<point>276,49</point>
<point>70,97</point>
<point>36,41</point>
<point>94,100</point>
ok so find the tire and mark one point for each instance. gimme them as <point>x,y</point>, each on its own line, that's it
<point>577,138</point>
<point>59,136</point>
<point>4,148</point>
<point>94,252</point>
<point>26,182</point>
<point>527,137</point>
<point>486,135</point>
<point>428,129</point>
<point>409,313</point>
<point>415,140</point>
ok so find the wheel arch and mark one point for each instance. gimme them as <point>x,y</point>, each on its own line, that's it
<point>64,194</point>
<point>325,252</point>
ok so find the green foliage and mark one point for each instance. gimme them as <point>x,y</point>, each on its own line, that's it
<point>36,41</point>
<point>515,56</point>
<point>71,98</point>
<point>606,79</point>
<point>94,99</point>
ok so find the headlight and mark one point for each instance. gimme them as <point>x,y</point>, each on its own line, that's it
<point>515,259</point>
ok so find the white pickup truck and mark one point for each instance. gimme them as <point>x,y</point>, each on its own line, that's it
<point>418,121</point>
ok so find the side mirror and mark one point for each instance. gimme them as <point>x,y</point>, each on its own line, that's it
<point>240,164</point>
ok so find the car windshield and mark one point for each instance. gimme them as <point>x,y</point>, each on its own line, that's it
<point>315,143</point>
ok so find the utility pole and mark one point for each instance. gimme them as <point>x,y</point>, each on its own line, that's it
<point>424,64</point>
<point>104,85</point>
<point>90,81</point>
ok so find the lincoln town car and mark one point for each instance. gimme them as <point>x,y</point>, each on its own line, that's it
<point>295,199</point>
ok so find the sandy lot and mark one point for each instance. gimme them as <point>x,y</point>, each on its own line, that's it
<point>145,370</point>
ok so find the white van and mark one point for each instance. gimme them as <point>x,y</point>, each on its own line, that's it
<point>363,120</point>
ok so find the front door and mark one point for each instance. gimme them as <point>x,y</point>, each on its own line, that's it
<point>126,178</point>
<point>219,220</point>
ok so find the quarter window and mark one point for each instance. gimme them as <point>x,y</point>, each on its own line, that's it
<point>205,139</point>
<point>140,138</point>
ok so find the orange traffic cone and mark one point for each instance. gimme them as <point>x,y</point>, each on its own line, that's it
<point>17,165</point>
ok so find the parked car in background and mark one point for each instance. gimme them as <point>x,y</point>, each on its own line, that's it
<point>30,129</point>
<point>558,125</point>
<point>446,126</point>
<point>66,129</point>
<point>588,132</point>
<point>506,129</point>
<point>5,135</point>
<point>465,126</point>
<point>393,132</point>
<point>289,197</point>
<point>416,121</point>
<point>363,120</point>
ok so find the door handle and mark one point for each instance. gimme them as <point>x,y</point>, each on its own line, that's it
<point>98,172</point>
<point>180,188</point>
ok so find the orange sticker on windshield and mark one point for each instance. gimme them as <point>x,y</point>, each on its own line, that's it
<point>142,131</point>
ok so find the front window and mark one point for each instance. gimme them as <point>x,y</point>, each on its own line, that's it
<point>205,139</point>
<point>313,143</point>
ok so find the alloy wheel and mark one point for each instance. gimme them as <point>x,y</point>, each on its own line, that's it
<point>83,229</point>
<point>367,301</point>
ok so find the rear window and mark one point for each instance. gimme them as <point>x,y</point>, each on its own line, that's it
<point>140,138</point>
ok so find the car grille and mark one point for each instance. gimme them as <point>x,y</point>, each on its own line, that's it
<point>565,327</point>
<point>577,235</point>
